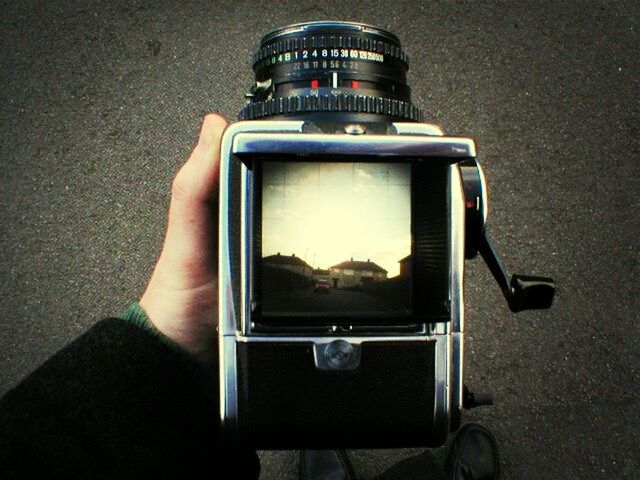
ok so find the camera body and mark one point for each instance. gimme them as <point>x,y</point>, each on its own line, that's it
<point>319,381</point>
<point>344,225</point>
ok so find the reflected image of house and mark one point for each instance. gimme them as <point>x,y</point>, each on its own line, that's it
<point>291,263</point>
<point>353,273</point>
<point>405,266</point>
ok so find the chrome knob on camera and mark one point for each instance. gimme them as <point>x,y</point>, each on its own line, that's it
<point>338,353</point>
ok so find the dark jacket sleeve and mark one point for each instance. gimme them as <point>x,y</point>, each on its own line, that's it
<point>117,403</point>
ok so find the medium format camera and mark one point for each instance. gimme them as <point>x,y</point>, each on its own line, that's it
<point>344,225</point>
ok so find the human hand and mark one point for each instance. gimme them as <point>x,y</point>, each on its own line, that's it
<point>181,299</point>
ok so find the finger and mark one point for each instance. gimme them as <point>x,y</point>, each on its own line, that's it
<point>211,126</point>
<point>191,230</point>
<point>197,180</point>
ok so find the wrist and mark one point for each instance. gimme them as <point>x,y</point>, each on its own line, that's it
<point>187,318</point>
<point>136,315</point>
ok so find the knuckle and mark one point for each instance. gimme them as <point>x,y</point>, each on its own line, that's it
<point>179,187</point>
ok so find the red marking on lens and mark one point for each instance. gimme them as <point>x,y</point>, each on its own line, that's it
<point>355,84</point>
<point>314,83</point>
<point>471,204</point>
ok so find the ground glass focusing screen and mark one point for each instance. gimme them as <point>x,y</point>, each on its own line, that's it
<point>336,238</point>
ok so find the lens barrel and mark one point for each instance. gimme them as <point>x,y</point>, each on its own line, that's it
<point>333,71</point>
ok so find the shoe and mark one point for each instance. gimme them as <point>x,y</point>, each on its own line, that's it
<point>325,465</point>
<point>473,455</point>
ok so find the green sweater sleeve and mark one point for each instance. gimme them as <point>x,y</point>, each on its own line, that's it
<point>135,314</point>
<point>119,402</point>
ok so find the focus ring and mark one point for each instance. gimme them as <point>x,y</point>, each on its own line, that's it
<point>332,41</point>
<point>331,103</point>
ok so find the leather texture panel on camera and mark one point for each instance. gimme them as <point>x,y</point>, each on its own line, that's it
<point>318,409</point>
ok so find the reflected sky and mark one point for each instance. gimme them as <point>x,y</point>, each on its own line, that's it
<point>326,213</point>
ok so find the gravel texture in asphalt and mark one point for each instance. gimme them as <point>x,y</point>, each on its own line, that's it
<point>101,102</point>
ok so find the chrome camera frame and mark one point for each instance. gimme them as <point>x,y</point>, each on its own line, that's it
<point>235,289</point>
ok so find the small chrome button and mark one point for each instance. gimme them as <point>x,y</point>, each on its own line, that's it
<point>338,353</point>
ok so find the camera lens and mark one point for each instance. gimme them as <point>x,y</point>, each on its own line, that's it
<point>333,71</point>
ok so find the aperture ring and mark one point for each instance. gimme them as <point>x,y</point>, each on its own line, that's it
<point>333,41</point>
<point>331,103</point>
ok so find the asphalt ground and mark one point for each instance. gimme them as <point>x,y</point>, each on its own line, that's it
<point>101,103</point>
